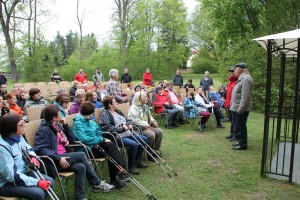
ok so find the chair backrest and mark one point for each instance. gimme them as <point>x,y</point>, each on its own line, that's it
<point>128,92</point>
<point>182,91</point>
<point>40,84</point>
<point>30,130</point>
<point>70,119</point>
<point>53,87</point>
<point>28,86</point>
<point>97,114</point>
<point>124,86</point>
<point>44,91</point>
<point>192,90</point>
<point>176,89</point>
<point>65,84</point>
<point>124,108</point>
<point>90,83</point>
<point>34,113</point>
<point>18,84</point>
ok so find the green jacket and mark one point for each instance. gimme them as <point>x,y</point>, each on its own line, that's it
<point>87,131</point>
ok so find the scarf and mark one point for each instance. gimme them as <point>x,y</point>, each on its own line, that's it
<point>14,139</point>
<point>205,101</point>
<point>61,136</point>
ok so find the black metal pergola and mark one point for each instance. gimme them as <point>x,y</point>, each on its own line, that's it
<point>281,150</point>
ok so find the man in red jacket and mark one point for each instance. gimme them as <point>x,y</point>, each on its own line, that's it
<point>163,105</point>
<point>232,80</point>
<point>81,77</point>
<point>147,77</point>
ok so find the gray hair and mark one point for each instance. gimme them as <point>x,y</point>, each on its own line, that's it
<point>137,98</point>
<point>113,72</point>
<point>79,92</point>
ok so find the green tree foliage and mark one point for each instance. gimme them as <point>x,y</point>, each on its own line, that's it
<point>234,24</point>
<point>40,66</point>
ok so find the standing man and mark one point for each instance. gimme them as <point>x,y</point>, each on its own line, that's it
<point>126,78</point>
<point>241,104</point>
<point>81,77</point>
<point>3,79</point>
<point>98,76</point>
<point>205,82</point>
<point>177,79</point>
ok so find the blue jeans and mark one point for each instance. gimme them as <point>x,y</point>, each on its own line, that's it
<point>25,192</point>
<point>135,150</point>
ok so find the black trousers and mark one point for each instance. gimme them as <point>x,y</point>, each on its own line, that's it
<point>218,114</point>
<point>231,122</point>
<point>111,149</point>
<point>240,123</point>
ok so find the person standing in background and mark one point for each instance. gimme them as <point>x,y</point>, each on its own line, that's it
<point>177,79</point>
<point>98,76</point>
<point>126,78</point>
<point>205,82</point>
<point>3,79</point>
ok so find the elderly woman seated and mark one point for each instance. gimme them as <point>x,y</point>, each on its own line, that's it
<point>79,98</point>
<point>15,178</point>
<point>113,120</point>
<point>89,133</point>
<point>140,115</point>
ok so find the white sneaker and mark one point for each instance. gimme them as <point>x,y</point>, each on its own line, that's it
<point>105,187</point>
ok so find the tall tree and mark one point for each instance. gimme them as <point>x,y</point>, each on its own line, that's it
<point>6,10</point>
<point>124,10</point>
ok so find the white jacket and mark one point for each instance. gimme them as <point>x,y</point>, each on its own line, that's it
<point>201,105</point>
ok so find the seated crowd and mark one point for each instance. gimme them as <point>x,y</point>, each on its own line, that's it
<point>137,130</point>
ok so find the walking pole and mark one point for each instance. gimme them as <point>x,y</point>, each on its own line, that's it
<point>37,173</point>
<point>145,148</point>
<point>121,169</point>
<point>158,156</point>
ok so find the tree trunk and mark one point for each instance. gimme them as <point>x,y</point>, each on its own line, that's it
<point>5,22</point>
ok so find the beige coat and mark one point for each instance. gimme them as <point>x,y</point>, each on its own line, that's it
<point>139,116</point>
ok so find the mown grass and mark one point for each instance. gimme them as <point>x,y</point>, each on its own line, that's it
<point>207,168</point>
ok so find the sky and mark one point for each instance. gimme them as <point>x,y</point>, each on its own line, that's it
<point>97,20</point>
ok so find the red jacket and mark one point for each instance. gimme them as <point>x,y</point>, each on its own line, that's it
<point>160,102</point>
<point>232,80</point>
<point>147,78</point>
<point>80,78</point>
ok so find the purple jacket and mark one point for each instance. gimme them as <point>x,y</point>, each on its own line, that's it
<point>75,108</point>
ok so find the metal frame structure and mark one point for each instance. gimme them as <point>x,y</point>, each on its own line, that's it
<point>282,109</point>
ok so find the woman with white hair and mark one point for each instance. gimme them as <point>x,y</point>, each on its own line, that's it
<point>79,98</point>
<point>139,114</point>
<point>113,88</point>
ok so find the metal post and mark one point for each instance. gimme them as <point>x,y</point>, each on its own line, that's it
<point>281,95</point>
<point>296,114</point>
<point>267,107</point>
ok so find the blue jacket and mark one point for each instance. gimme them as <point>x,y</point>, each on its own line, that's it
<point>13,168</point>
<point>87,131</point>
<point>97,104</point>
<point>46,140</point>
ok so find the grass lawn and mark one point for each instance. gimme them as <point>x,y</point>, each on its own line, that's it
<point>207,168</point>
